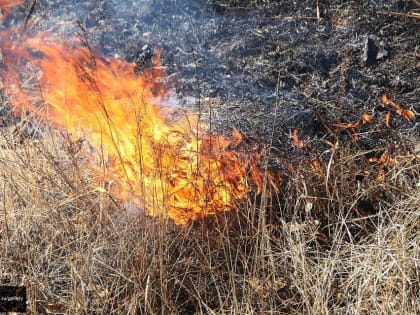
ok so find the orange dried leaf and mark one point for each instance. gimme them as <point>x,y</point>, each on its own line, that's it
<point>296,141</point>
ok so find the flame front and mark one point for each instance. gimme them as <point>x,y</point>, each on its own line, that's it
<point>176,169</point>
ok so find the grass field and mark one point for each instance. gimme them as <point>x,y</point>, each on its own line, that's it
<point>325,243</point>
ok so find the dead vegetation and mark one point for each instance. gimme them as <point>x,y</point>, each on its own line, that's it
<point>334,240</point>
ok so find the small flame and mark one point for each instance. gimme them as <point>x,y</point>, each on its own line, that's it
<point>366,118</point>
<point>296,141</point>
<point>350,126</point>
<point>347,126</point>
<point>171,169</point>
<point>5,6</point>
<point>384,162</point>
<point>406,113</point>
<point>387,117</point>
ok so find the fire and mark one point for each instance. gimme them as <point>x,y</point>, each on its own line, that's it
<point>351,126</point>
<point>296,141</point>
<point>170,165</point>
<point>406,113</point>
<point>387,117</point>
<point>366,118</point>
<point>384,162</point>
<point>5,6</point>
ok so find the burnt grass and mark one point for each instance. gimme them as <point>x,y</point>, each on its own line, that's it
<point>266,68</point>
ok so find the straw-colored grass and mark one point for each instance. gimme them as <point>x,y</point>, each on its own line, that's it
<point>309,249</point>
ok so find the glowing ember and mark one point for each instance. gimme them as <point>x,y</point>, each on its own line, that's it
<point>170,169</point>
<point>296,141</point>
<point>366,118</point>
<point>384,162</point>
<point>387,117</point>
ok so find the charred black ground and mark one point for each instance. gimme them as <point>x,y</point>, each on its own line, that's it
<point>254,55</point>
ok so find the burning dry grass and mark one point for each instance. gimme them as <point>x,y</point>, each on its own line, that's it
<point>171,167</point>
<point>328,243</point>
<point>340,236</point>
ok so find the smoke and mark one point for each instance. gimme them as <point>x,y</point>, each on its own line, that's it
<point>203,49</point>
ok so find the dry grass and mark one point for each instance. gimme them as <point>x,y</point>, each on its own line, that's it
<point>327,244</point>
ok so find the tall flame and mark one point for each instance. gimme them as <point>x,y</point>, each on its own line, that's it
<point>170,165</point>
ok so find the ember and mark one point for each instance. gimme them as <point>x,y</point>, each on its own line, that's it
<point>366,118</point>
<point>296,141</point>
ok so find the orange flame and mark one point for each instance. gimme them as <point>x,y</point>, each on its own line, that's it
<point>347,126</point>
<point>5,6</point>
<point>387,117</point>
<point>171,169</point>
<point>406,113</point>
<point>366,118</point>
<point>296,141</point>
<point>384,162</point>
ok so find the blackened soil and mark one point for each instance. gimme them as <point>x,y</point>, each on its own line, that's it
<point>260,59</point>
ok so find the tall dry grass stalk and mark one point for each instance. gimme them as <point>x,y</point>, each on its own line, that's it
<point>325,244</point>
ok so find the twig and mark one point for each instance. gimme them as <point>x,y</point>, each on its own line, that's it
<point>28,14</point>
<point>409,15</point>
<point>318,15</point>
<point>292,18</point>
